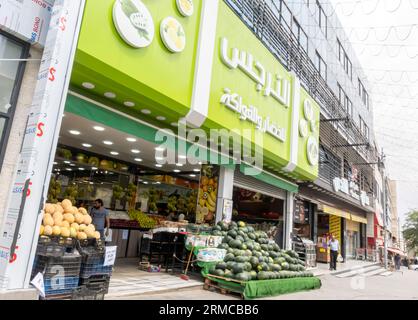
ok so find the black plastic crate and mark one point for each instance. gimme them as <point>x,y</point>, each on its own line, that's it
<point>49,266</point>
<point>55,246</point>
<point>84,293</point>
<point>60,285</point>
<point>96,283</point>
<point>95,269</point>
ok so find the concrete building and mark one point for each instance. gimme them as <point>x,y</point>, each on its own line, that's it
<point>395,227</point>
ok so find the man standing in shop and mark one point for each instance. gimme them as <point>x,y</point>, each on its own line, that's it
<point>334,246</point>
<point>100,217</point>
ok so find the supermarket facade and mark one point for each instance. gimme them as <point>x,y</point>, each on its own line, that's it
<point>176,108</point>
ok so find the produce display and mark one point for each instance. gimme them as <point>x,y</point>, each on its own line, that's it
<point>54,190</point>
<point>208,191</point>
<point>71,193</point>
<point>65,220</point>
<point>143,219</point>
<point>251,256</point>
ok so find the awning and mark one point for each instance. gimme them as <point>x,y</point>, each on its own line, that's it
<point>379,219</point>
<point>335,211</point>
<point>396,250</point>
<point>358,219</point>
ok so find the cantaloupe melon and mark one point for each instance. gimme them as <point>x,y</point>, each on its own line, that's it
<point>73,232</point>
<point>76,226</point>
<point>79,218</point>
<point>48,230</point>
<point>65,224</point>
<point>41,230</point>
<point>90,233</point>
<point>58,208</point>
<point>56,231</point>
<point>58,216</point>
<point>90,227</point>
<point>47,220</point>
<point>65,232</point>
<point>81,236</point>
<point>69,217</point>
<point>82,227</point>
<point>97,234</point>
<point>49,208</point>
<point>66,204</point>
<point>82,210</point>
<point>87,219</point>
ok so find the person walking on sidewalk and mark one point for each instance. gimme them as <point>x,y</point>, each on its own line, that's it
<point>334,246</point>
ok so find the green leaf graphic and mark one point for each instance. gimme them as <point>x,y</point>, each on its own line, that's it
<point>128,8</point>
<point>143,34</point>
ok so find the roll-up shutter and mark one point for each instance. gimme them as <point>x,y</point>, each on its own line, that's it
<point>250,183</point>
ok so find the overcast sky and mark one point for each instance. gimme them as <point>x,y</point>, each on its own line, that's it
<point>384,34</point>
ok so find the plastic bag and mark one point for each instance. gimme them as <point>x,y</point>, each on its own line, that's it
<point>340,258</point>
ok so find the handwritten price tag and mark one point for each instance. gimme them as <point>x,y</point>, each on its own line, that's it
<point>110,256</point>
<point>38,283</point>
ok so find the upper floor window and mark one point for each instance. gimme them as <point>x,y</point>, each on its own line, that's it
<point>322,18</point>
<point>345,61</point>
<point>321,66</point>
<point>364,129</point>
<point>345,101</point>
<point>286,15</point>
<point>300,35</point>
<point>363,94</point>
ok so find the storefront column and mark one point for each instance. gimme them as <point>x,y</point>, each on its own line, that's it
<point>288,220</point>
<point>225,189</point>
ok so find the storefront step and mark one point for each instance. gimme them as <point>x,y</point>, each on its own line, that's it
<point>362,271</point>
<point>24,294</point>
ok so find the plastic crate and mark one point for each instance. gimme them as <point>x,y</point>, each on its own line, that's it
<point>94,269</point>
<point>49,266</point>
<point>96,283</point>
<point>60,285</point>
<point>84,293</point>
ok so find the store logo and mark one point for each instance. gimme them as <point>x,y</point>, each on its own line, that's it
<point>134,22</point>
<point>173,35</point>
<point>308,125</point>
<point>185,7</point>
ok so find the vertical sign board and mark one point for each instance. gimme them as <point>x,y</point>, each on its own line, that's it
<point>27,19</point>
<point>335,227</point>
<point>41,136</point>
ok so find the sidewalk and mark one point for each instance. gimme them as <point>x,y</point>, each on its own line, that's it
<point>323,268</point>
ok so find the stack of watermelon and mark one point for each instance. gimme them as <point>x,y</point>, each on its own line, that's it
<point>251,256</point>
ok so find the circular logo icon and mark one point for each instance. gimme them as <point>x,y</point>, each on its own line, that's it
<point>133,22</point>
<point>173,35</point>
<point>303,128</point>
<point>312,151</point>
<point>308,110</point>
<point>185,7</point>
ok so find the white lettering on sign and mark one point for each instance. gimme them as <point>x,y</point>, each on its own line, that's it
<point>255,70</point>
<point>352,189</point>
<point>250,113</point>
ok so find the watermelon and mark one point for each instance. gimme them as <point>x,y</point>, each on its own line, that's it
<point>217,233</point>
<point>254,261</point>
<point>230,250</point>
<point>217,228</point>
<point>253,275</point>
<point>262,275</point>
<point>273,254</point>
<point>223,246</point>
<point>251,236</point>
<point>221,266</point>
<point>229,257</point>
<point>243,276</point>
<point>250,245</point>
<point>247,266</point>
<point>285,266</point>
<point>232,233</point>
<point>241,224</point>
<point>228,273</point>
<point>235,244</point>
<point>238,267</point>
<point>233,225</point>
<point>241,233</point>
<point>243,246</point>
<point>240,238</point>
<point>242,259</point>
<point>264,247</point>
<point>230,264</point>
<point>218,272</point>
<point>276,267</point>
<point>250,229</point>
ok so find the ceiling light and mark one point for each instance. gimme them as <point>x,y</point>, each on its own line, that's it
<point>74,132</point>
<point>176,170</point>
<point>110,95</point>
<point>200,162</point>
<point>179,164</point>
<point>158,182</point>
<point>192,175</point>
<point>87,145</point>
<point>174,124</point>
<point>145,111</point>
<point>72,164</point>
<point>67,162</point>
<point>135,151</point>
<point>98,128</point>
<point>129,104</point>
<point>131,139</point>
<point>145,182</point>
<point>196,170</point>
<point>138,159</point>
<point>114,153</point>
<point>109,143</point>
<point>88,85</point>
<point>55,162</point>
<point>81,169</point>
<point>68,169</point>
<point>94,168</point>
<point>159,158</point>
<point>161,118</point>
<point>182,157</point>
<point>161,149</point>
<point>158,165</point>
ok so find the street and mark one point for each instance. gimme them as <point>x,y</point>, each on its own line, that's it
<point>397,286</point>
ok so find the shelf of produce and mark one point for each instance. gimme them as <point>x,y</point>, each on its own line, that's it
<point>126,224</point>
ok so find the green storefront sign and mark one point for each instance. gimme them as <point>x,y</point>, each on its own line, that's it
<point>196,60</point>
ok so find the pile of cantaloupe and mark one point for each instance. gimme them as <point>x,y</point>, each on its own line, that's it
<point>65,220</point>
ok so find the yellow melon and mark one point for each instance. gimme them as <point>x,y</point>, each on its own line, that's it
<point>69,217</point>
<point>90,227</point>
<point>41,230</point>
<point>47,230</point>
<point>90,233</point>
<point>49,208</point>
<point>66,204</point>
<point>81,236</point>
<point>79,218</point>
<point>65,224</point>
<point>58,208</point>
<point>97,234</point>
<point>65,232</point>
<point>76,226</point>
<point>73,232</point>
<point>87,219</point>
<point>82,227</point>
<point>82,210</point>
<point>56,230</point>
<point>47,220</point>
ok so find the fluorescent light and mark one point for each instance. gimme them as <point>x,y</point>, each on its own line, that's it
<point>68,169</point>
<point>94,168</point>
<point>196,170</point>
<point>129,104</point>
<point>81,169</point>
<point>114,153</point>
<point>200,162</point>
<point>158,165</point>
<point>135,151</point>
<point>129,139</point>
<point>74,132</point>
<point>98,128</point>
<point>192,175</point>
<point>179,164</point>
<point>72,164</point>
<point>161,149</point>
<point>176,170</point>
<point>87,145</point>
<point>88,85</point>
<point>55,162</point>
<point>182,157</point>
<point>109,143</point>
<point>145,182</point>
<point>110,95</point>
<point>67,162</point>
<point>161,118</point>
<point>159,158</point>
<point>158,182</point>
<point>145,111</point>
<point>138,159</point>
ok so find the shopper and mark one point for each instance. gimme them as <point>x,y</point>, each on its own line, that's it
<point>334,246</point>
<point>100,217</point>
<point>397,261</point>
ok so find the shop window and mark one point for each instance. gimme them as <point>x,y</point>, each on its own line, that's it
<point>363,94</point>
<point>300,35</point>
<point>345,60</point>
<point>11,73</point>
<point>345,101</point>
<point>285,16</point>
<point>364,129</point>
<point>322,18</point>
<point>321,66</point>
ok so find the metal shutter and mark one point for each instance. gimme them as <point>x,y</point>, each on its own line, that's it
<point>250,183</point>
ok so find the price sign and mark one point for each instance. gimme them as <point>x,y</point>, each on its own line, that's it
<point>38,283</point>
<point>110,256</point>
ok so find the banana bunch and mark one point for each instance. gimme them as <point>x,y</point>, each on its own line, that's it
<point>207,198</point>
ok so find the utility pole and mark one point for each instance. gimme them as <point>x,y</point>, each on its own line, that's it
<point>385,225</point>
